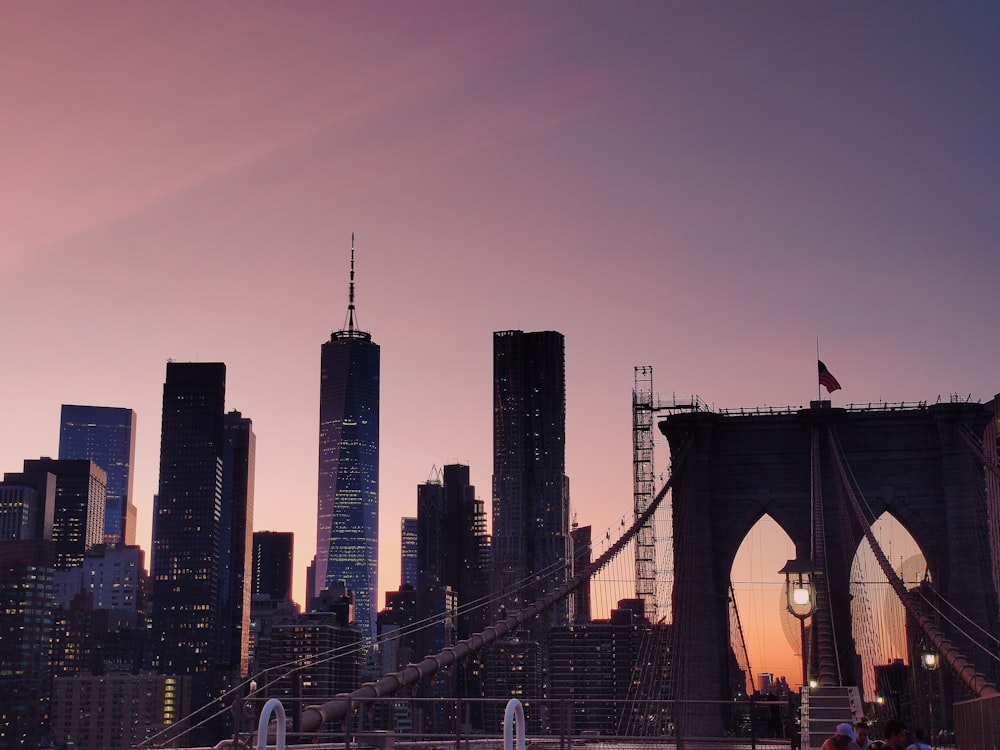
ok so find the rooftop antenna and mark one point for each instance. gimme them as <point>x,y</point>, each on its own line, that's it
<point>350,294</point>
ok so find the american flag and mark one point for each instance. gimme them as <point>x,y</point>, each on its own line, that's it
<point>826,379</point>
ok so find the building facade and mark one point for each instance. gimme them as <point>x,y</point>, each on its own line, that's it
<point>408,551</point>
<point>80,499</point>
<point>273,553</point>
<point>531,534</point>
<point>29,505</point>
<point>236,542</point>
<point>106,436</point>
<point>117,712</point>
<point>26,570</point>
<point>347,513</point>
<point>186,524</point>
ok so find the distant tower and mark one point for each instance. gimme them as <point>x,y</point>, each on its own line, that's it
<point>531,535</point>
<point>236,541</point>
<point>186,524</point>
<point>105,435</point>
<point>272,565</point>
<point>408,551</point>
<point>347,522</point>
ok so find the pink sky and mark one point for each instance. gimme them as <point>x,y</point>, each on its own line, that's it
<point>702,187</point>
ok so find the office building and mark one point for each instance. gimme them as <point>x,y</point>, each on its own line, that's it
<point>452,545</point>
<point>20,508</point>
<point>26,570</point>
<point>613,674</point>
<point>273,553</point>
<point>80,499</point>
<point>236,542</point>
<point>396,629</point>
<point>582,558</point>
<point>106,436</point>
<point>186,524</point>
<point>347,520</point>
<point>315,655</point>
<point>28,505</point>
<point>118,711</point>
<point>531,535</point>
<point>408,551</point>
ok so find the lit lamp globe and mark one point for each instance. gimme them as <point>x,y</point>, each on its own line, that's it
<point>929,660</point>
<point>800,592</point>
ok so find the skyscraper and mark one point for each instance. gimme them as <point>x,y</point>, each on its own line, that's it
<point>347,521</point>
<point>272,565</point>
<point>408,551</point>
<point>186,523</point>
<point>235,541</point>
<point>105,435</point>
<point>531,535</point>
<point>451,544</point>
<point>78,518</point>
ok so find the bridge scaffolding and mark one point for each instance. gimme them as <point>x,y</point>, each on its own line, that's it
<point>643,406</point>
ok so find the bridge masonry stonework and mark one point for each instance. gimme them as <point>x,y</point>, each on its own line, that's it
<point>910,462</point>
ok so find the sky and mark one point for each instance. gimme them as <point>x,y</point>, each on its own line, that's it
<point>709,188</point>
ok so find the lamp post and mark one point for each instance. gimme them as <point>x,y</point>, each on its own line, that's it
<point>800,599</point>
<point>930,661</point>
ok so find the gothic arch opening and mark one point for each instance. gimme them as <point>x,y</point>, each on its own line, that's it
<point>760,603</point>
<point>879,621</point>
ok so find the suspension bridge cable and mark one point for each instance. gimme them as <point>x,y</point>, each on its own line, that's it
<point>338,707</point>
<point>966,671</point>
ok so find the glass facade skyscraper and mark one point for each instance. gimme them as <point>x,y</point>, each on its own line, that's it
<point>105,435</point>
<point>347,518</point>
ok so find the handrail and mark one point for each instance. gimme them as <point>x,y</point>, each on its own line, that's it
<point>513,713</point>
<point>272,706</point>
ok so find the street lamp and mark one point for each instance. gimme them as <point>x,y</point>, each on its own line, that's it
<point>800,599</point>
<point>929,660</point>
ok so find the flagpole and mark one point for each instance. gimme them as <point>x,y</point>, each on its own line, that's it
<point>819,395</point>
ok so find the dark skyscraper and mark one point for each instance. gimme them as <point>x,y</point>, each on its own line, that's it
<point>272,565</point>
<point>80,498</point>
<point>531,536</point>
<point>186,519</point>
<point>236,535</point>
<point>347,522</point>
<point>451,542</point>
<point>105,435</point>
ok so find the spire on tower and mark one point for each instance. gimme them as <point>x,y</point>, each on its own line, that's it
<point>350,293</point>
<point>351,330</point>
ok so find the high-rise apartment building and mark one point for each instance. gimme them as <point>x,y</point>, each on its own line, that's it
<point>106,436</point>
<point>236,541</point>
<point>347,520</point>
<point>186,524</point>
<point>80,499</point>
<point>531,535</point>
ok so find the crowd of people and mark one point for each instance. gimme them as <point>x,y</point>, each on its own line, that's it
<point>856,737</point>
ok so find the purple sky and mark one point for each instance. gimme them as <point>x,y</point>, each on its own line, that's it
<point>702,187</point>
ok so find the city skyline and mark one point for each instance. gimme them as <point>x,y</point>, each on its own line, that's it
<point>705,188</point>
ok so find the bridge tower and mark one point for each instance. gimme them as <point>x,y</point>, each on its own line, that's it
<point>909,461</point>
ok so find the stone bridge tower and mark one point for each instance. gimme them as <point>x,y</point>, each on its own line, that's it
<point>909,461</point>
